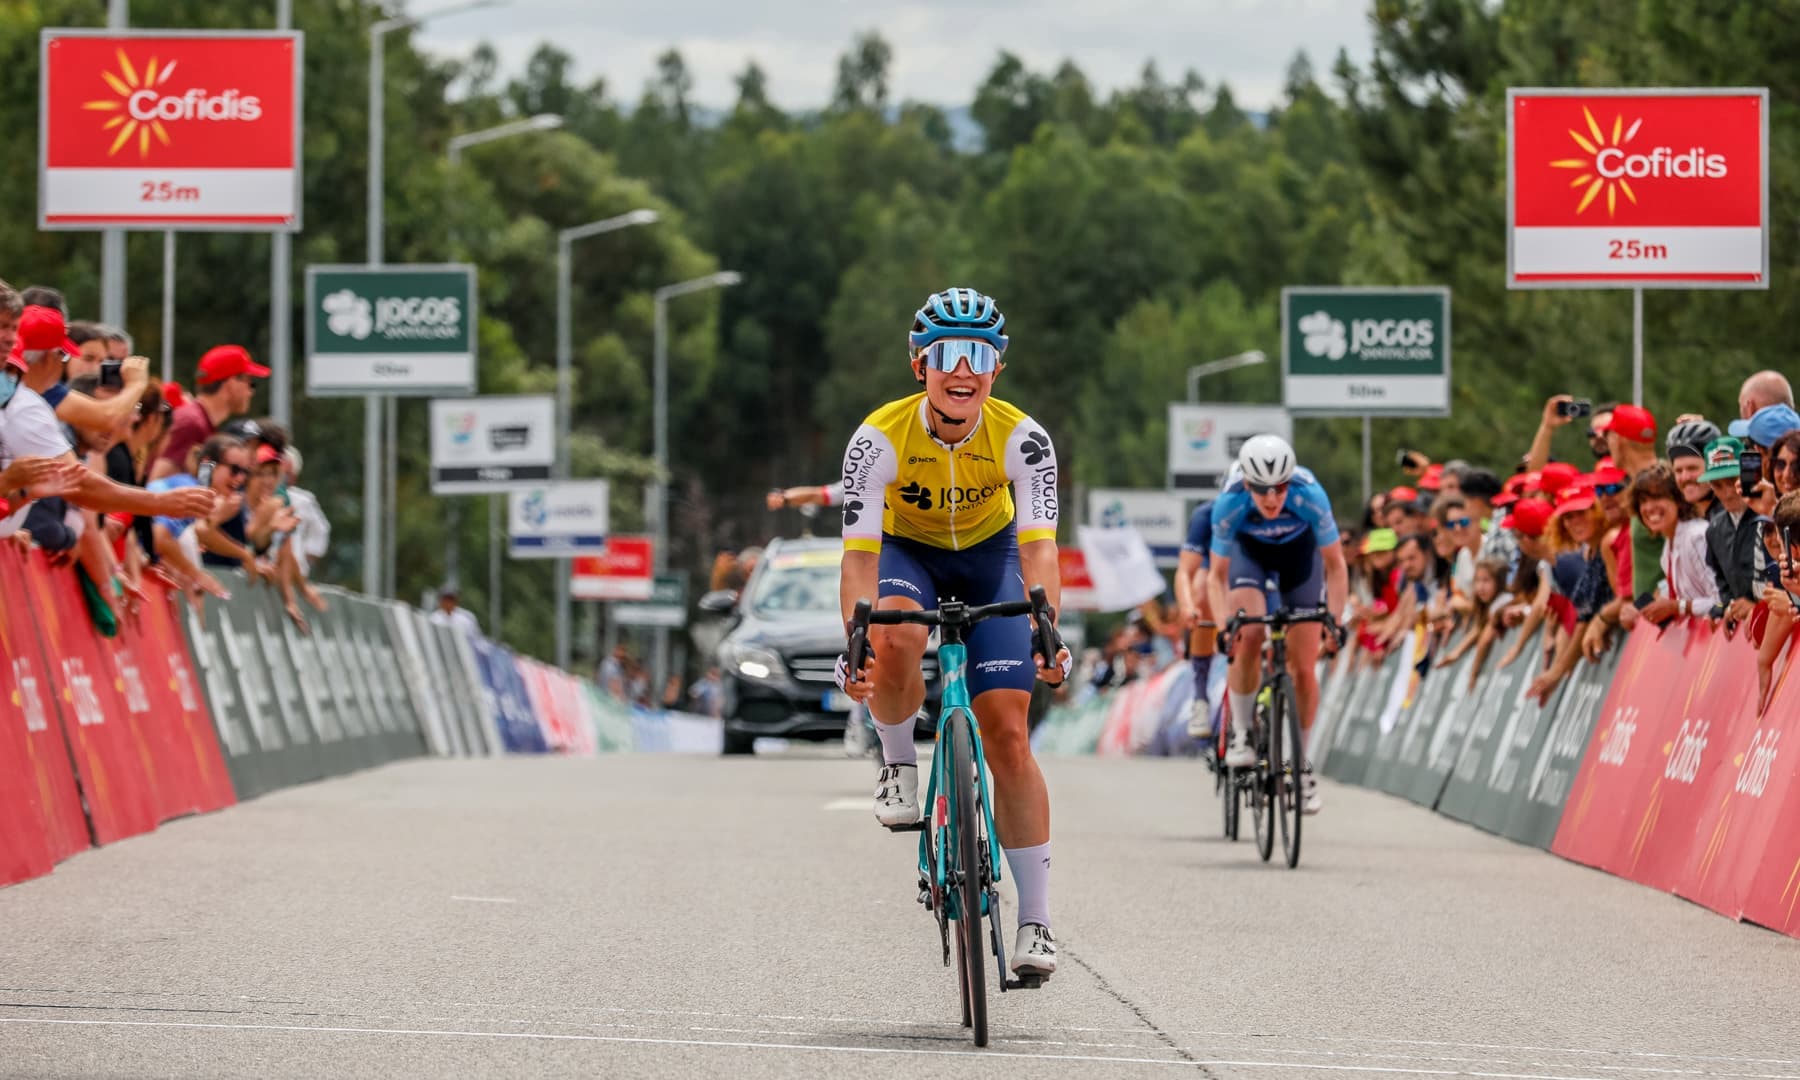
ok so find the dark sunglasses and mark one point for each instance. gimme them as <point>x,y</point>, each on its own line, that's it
<point>236,470</point>
<point>1459,523</point>
<point>1787,465</point>
<point>1266,489</point>
<point>1608,489</point>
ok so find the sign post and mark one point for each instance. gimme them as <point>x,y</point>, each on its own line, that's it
<point>393,330</point>
<point>667,605</point>
<point>557,520</point>
<point>169,130</point>
<point>490,445</point>
<point>1204,441</point>
<point>1368,352</point>
<point>1637,188</point>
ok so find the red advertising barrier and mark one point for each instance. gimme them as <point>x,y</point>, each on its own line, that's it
<point>1681,788</point>
<point>44,810</point>
<point>114,774</point>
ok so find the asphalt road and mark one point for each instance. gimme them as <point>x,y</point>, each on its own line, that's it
<point>690,916</point>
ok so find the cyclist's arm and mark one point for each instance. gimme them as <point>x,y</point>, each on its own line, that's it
<point>1217,588</point>
<point>1038,566</point>
<point>869,467</point>
<point>1190,594</point>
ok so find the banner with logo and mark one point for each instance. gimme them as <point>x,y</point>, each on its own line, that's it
<point>1204,440</point>
<point>621,572</point>
<point>553,521</point>
<point>390,330</point>
<point>169,129</point>
<point>1357,351</point>
<point>1641,188</point>
<point>491,445</point>
<point>666,606</point>
<point>1160,517</point>
<point>41,810</point>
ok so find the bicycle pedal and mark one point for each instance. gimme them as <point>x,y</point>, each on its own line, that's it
<point>1026,981</point>
<point>917,826</point>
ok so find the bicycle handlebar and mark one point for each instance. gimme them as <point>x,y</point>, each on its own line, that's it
<point>1281,618</point>
<point>1046,642</point>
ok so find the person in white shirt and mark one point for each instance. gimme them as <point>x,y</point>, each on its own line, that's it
<point>450,613</point>
<point>1689,587</point>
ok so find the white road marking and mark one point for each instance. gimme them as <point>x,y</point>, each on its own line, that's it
<point>913,1051</point>
<point>846,804</point>
<point>486,899</point>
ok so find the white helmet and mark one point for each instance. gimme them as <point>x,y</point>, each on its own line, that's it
<point>1267,460</point>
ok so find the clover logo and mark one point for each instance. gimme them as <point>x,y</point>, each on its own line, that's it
<point>852,511</point>
<point>1036,447</point>
<point>917,494</point>
<point>349,315</point>
<point>1324,335</point>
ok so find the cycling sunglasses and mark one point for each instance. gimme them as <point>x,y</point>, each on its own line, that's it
<point>1266,489</point>
<point>948,354</point>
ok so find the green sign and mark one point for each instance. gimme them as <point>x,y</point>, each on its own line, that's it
<point>667,605</point>
<point>1366,351</point>
<point>390,330</point>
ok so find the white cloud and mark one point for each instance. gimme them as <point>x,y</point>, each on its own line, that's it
<point>942,50</point>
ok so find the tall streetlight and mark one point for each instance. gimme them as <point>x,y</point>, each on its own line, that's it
<point>378,32</point>
<point>565,349</point>
<point>1213,367</point>
<point>660,380</point>
<point>540,122</point>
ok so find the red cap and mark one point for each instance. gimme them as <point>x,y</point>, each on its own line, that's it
<point>1432,479</point>
<point>1403,494</point>
<point>1528,518</point>
<point>1576,498</point>
<point>1556,476</point>
<point>172,394</point>
<point>1523,483</point>
<point>42,327</point>
<point>1632,423</point>
<point>1504,500</point>
<point>222,362</point>
<point>266,453</point>
<point>1608,473</point>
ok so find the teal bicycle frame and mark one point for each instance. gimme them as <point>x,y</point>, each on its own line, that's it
<point>953,662</point>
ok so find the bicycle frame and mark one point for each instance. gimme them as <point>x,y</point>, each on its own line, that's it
<point>953,663</point>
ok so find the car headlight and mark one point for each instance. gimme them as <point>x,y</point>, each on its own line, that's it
<point>753,663</point>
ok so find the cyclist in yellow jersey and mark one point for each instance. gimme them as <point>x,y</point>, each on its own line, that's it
<point>951,494</point>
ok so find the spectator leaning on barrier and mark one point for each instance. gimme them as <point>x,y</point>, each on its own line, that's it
<point>46,348</point>
<point>225,386</point>
<point>451,613</point>
<point>312,538</point>
<point>1734,549</point>
<point>1783,460</point>
<point>1689,587</point>
<point>1687,456</point>
<point>1631,441</point>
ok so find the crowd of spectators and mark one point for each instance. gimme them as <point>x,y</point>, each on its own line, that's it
<point>1684,520</point>
<point>120,476</point>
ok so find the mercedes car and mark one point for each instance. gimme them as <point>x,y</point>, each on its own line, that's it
<point>781,644</point>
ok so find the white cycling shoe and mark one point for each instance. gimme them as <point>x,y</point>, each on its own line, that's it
<point>897,799</point>
<point>1309,793</point>
<point>1240,754</point>
<point>1199,719</point>
<point>1034,951</point>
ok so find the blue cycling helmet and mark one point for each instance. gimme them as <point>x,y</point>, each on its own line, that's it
<point>958,313</point>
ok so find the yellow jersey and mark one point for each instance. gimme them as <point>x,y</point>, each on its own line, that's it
<point>900,480</point>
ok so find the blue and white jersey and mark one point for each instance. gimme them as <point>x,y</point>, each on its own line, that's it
<point>1307,510</point>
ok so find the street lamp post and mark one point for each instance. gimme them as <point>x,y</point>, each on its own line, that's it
<point>1201,371</point>
<point>453,569</point>
<point>660,380</point>
<point>565,349</point>
<point>378,32</point>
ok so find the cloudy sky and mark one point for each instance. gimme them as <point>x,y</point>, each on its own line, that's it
<point>942,50</point>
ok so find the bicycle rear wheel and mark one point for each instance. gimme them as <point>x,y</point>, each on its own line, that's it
<point>1285,715</point>
<point>1266,790</point>
<point>1233,800</point>
<point>971,966</point>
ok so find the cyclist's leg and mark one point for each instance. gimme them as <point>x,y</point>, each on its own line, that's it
<point>1202,646</point>
<point>1303,587</point>
<point>1248,580</point>
<point>899,683</point>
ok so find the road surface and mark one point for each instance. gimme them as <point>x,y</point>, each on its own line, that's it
<point>683,916</point>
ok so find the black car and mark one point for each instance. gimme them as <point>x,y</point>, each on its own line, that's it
<point>780,650</point>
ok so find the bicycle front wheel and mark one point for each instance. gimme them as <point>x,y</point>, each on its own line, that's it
<point>1291,805</point>
<point>1266,787</point>
<point>965,812</point>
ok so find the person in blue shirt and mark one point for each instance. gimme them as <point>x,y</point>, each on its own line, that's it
<point>1273,532</point>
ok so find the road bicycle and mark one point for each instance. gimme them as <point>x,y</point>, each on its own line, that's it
<point>1272,787</point>
<point>959,851</point>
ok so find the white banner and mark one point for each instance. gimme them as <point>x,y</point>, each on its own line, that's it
<point>1204,440</point>
<point>558,520</point>
<point>1160,517</point>
<point>1121,566</point>
<point>490,445</point>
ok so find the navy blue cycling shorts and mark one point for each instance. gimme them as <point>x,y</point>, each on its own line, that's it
<point>988,573</point>
<point>1294,570</point>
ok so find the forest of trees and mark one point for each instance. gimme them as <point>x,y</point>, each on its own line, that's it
<point>1127,233</point>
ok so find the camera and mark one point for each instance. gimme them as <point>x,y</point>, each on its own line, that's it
<point>112,375</point>
<point>1750,469</point>
<point>1575,409</point>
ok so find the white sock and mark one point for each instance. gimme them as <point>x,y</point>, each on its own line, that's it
<point>897,746</point>
<point>1243,706</point>
<point>1031,876</point>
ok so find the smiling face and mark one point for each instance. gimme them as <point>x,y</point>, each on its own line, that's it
<point>1580,525</point>
<point>958,394</point>
<point>1658,515</point>
<point>1687,473</point>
